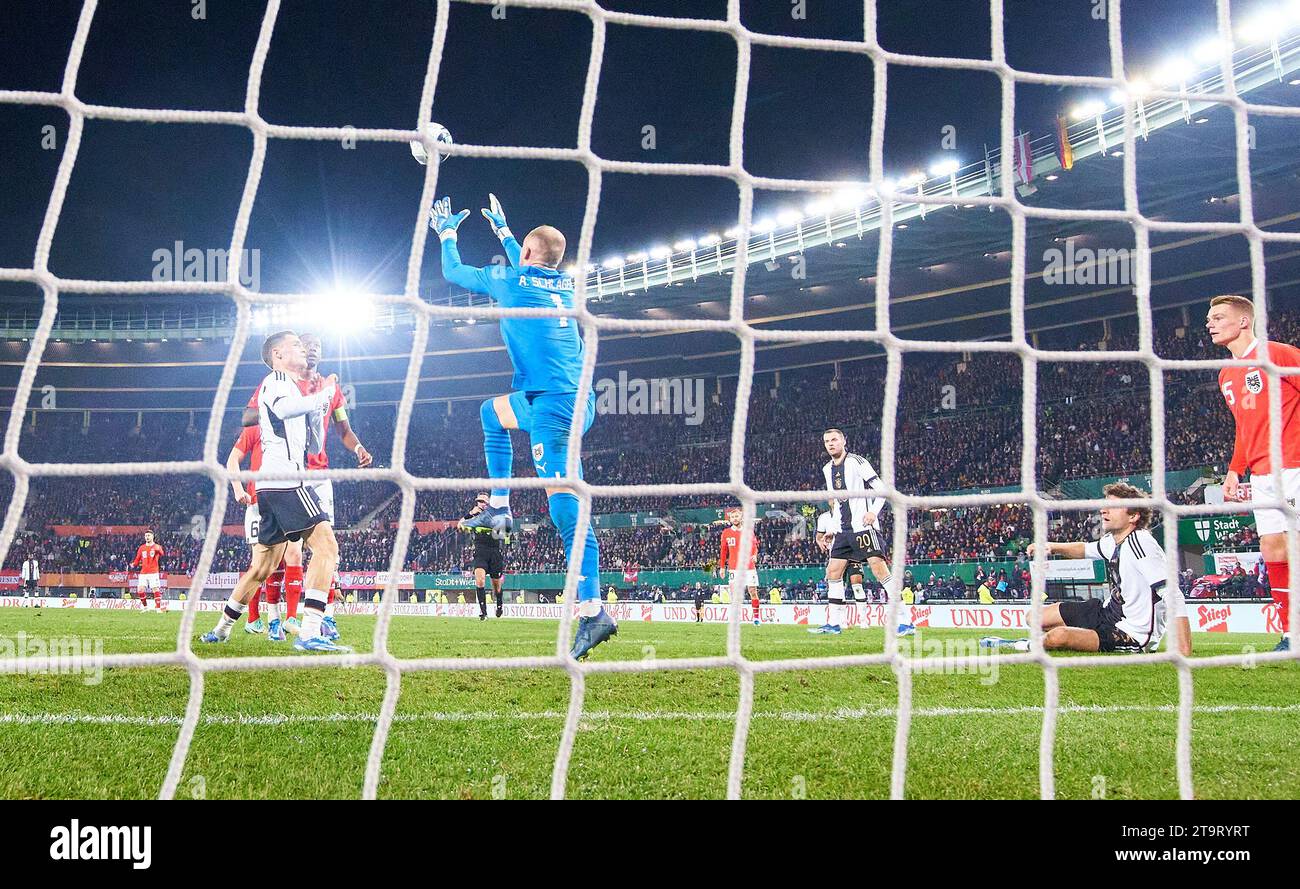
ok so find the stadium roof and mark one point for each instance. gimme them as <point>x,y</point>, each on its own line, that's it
<point>950,273</point>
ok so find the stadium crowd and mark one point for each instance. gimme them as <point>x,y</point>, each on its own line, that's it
<point>1093,420</point>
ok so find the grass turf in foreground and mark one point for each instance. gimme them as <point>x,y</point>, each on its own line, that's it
<point>815,733</point>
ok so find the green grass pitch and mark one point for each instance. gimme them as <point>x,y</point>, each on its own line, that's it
<point>820,733</point>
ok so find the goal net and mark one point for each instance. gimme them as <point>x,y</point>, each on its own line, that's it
<point>887,200</point>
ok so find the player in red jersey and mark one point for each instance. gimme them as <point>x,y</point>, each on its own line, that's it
<point>1231,324</point>
<point>729,556</point>
<point>146,559</point>
<point>314,382</point>
<point>250,445</point>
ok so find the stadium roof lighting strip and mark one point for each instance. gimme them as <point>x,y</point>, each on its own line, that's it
<point>854,209</point>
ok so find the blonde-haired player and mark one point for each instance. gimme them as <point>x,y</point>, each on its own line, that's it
<point>1231,324</point>
<point>855,522</point>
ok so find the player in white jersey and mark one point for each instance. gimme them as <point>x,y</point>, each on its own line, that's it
<point>1132,618</point>
<point>855,522</point>
<point>826,526</point>
<point>292,426</point>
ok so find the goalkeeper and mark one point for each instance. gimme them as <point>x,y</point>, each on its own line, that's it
<point>546,353</point>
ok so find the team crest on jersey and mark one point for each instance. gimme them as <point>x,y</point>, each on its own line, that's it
<point>537,452</point>
<point>1254,382</point>
<point>839,483</point>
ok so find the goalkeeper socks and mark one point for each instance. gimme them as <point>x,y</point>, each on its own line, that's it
<point>482,601</point>
<point>233,611</point>
<point>293,588</point>
<point>1279,582</point>
<point>564,512</point>
<point>753,603</point>
<point>312,614</point>
<point>589,607</point>
<point>496,448</point>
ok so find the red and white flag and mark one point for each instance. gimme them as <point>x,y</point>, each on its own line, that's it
<point>1024,160</point>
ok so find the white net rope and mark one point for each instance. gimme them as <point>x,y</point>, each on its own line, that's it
<point>197,667</point>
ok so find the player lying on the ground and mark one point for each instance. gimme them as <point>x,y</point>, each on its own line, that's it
<point>292,426</point>
<point>1133,616</point>
<point>1231,324</point>
<point>489,556</point>
<point>855,524</point>
<point>729,556</point>
<point>547,355</point>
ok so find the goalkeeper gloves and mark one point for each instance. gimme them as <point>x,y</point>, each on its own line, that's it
<point>442,221</point>
<point>496,218</point>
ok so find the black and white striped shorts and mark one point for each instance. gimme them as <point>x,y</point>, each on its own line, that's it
<point>287,515</point>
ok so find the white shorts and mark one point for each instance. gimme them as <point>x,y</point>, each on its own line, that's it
<point>149,583</point>
<point>325,494</point>
<point>1264,487</point>
<point>750,580</point>
<point>252,518</point>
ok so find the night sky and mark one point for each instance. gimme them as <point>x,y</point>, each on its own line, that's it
<point>327,215</point>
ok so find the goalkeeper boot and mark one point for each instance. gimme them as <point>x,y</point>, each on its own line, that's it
<point>292,626</point>
<point>1284,645</point>
<point>319,644</point>
<point>825,630</point>
<point>494,518</point>
<point>276,633</point>
<point>213,636</point>
<point>257,627</point>
<point>329,629</point>
<point>591,632</point>
<point>906,630</point>
<point>500,609</point>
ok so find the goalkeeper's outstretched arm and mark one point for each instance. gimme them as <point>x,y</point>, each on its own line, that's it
<point>442,221</point>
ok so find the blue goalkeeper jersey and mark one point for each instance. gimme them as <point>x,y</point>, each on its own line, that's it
<point>546,352</point>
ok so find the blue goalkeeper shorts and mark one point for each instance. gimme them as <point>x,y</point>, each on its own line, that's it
<point>549,431</point>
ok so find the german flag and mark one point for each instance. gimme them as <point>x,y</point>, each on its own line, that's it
<point>1064,151</point>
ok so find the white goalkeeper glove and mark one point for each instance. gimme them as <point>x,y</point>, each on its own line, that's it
<point>496,218</point>
<point>442,221</point>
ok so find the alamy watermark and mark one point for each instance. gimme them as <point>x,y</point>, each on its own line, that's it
<point>950,657</point>
<point>181,263</point>
<point>675,396</point>
<point>62,656</point>
<point>1112,266</point>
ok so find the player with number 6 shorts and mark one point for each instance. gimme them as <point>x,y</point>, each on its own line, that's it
<point>250,445</point>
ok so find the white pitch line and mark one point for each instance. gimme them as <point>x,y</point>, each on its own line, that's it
<point>839,715</point>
